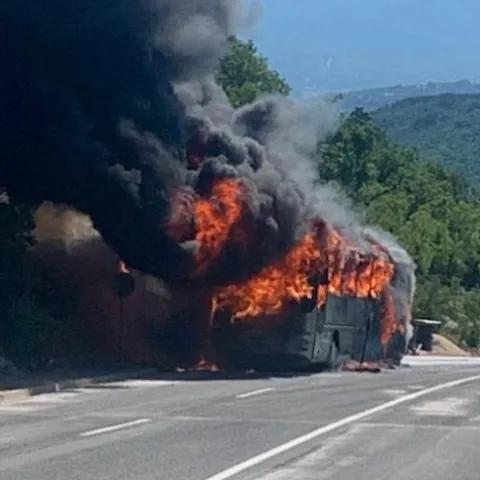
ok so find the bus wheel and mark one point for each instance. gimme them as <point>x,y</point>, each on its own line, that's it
<point>333,357</point>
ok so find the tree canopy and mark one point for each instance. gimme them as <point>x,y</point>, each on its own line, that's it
<point>245,75</point>
<point>26,329</point>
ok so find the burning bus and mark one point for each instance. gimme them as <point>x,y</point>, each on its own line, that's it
<point>356,307</point>
<point>328,299</point>
<point>332,296</point>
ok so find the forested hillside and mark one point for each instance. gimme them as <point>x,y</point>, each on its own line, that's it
<point>432,212</point>
<point>444,128</point>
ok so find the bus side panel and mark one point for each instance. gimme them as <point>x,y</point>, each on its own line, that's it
<point>348,319</point>
<point>323,337</point>
<point>301,340</point>
<point>265,343</point>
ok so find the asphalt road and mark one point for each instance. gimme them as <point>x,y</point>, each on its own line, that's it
<point>400,424</point>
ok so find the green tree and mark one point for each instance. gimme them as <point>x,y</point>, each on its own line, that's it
<point>245,75</point>
<point>26,329</point>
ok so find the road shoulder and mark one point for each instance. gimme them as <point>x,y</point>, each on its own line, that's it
<point>26,388</point>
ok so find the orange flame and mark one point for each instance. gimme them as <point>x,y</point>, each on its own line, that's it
<point>275,286</point>
<point>389,324</point>
<point>356,273</point>
<point>206,366</point>
<point>214,217</point>
<point>351,272</point>
<point>201,366</point>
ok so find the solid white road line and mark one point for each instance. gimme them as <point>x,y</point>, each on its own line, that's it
<point>251,462</point>
<point>113,428</point>
<point>254,392</point>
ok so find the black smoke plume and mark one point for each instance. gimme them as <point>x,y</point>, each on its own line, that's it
<point>100,100</point>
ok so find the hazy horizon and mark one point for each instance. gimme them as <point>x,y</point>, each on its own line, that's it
<point>333,45</point>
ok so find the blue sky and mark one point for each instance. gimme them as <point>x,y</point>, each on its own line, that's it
<point>330,45</point>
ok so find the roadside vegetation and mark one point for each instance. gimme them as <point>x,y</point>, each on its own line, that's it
<point>434,213</point>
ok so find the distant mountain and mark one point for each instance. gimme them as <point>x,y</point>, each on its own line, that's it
<point>444,127</point>
<point>335,45</point>
<point>375,98</point>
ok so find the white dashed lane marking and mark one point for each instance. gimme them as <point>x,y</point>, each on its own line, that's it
<point>143,383</point>
<point>415,387</point>
<point>114,428</point>
<point>254,393</point>
<point>395,392</point>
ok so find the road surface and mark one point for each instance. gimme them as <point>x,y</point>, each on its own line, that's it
<point>422,421</point>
